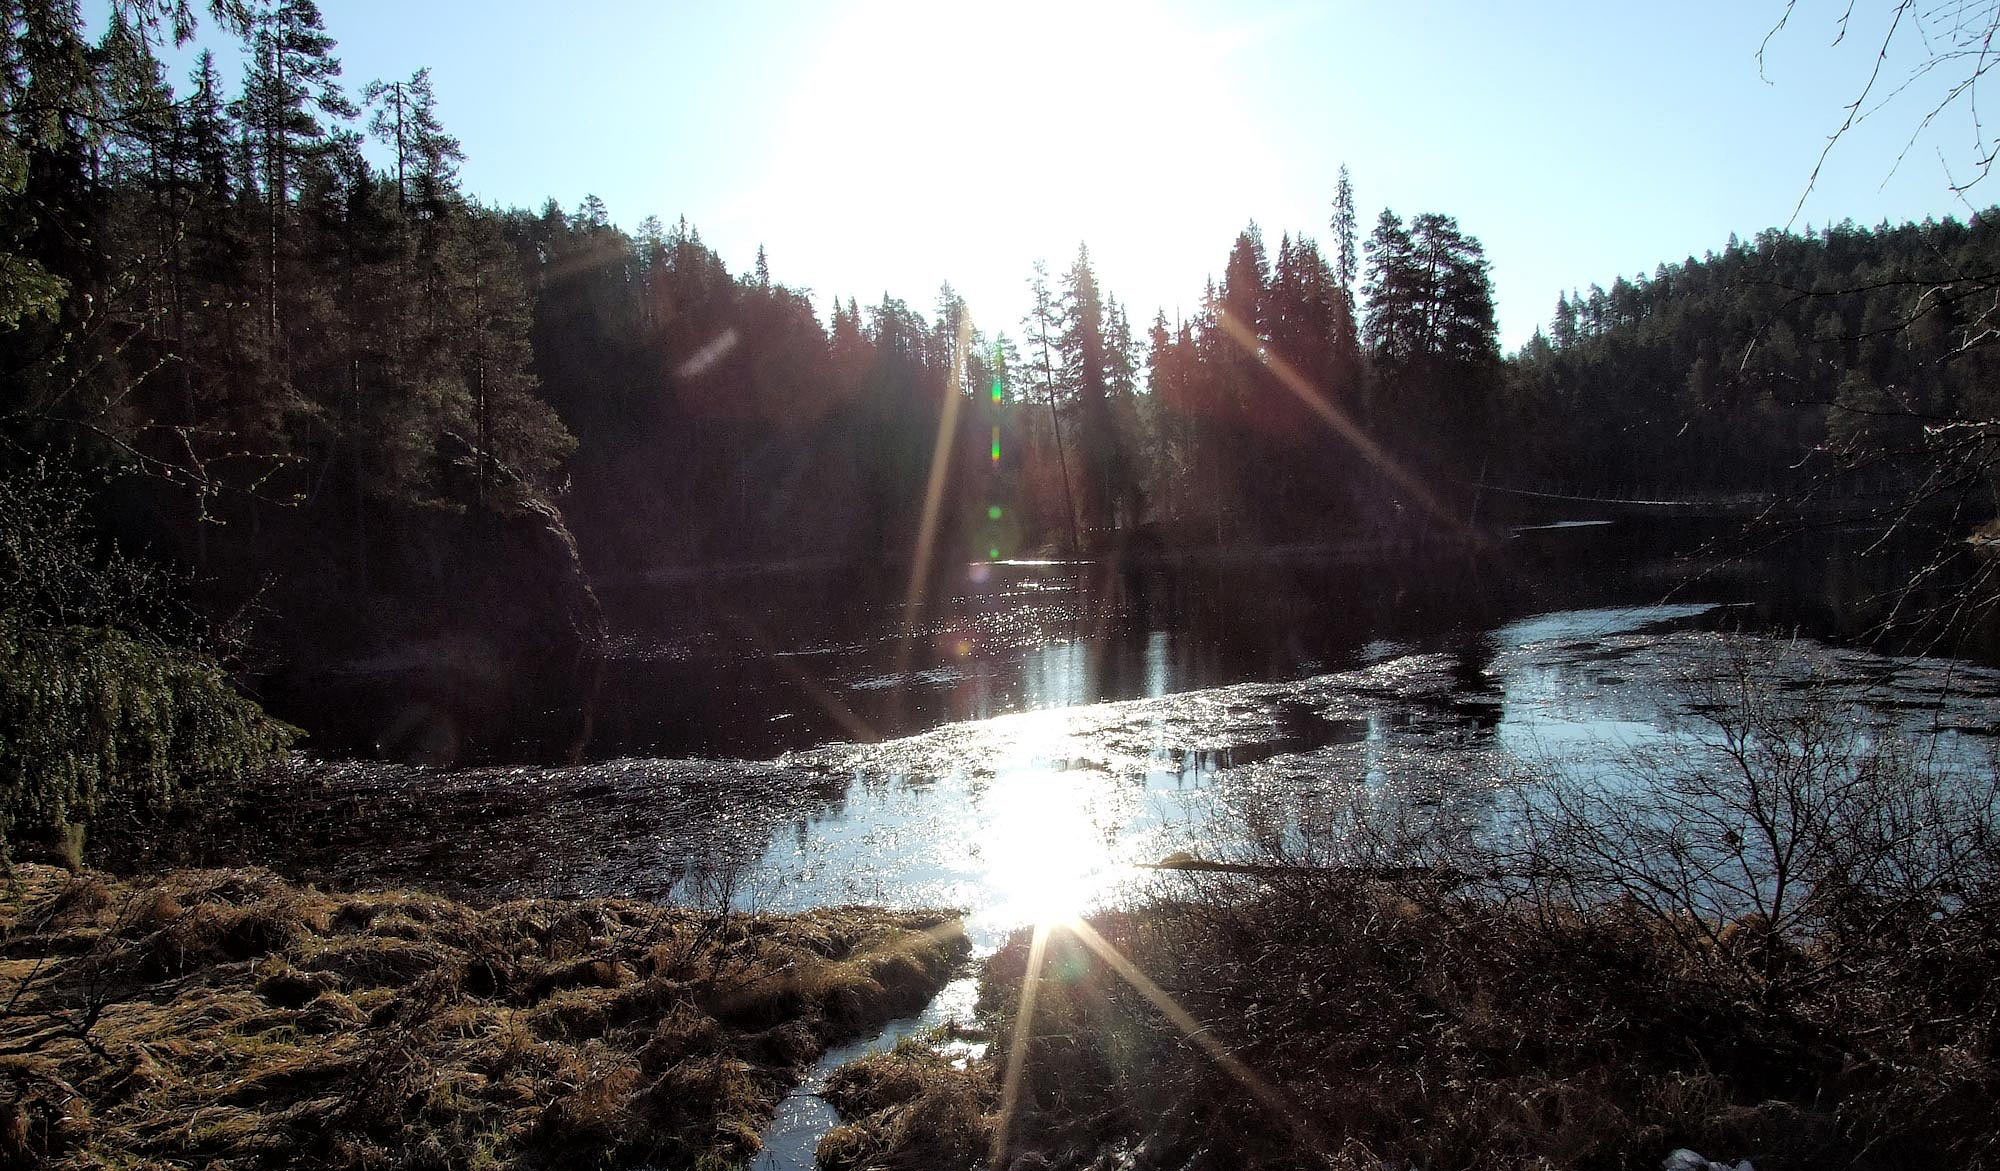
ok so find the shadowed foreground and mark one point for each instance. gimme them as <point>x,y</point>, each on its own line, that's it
<point>230,1019</point>
<point>1377,1028</point>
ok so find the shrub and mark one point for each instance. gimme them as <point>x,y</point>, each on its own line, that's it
<point>94,722</point>
<point>1782,839</point>
<point>109,703</point>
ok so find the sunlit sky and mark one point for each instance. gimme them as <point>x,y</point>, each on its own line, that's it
<point>892,145</point>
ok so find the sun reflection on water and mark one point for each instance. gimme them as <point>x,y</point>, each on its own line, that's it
<point>1045,831</point>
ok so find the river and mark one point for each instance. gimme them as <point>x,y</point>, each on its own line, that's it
<point>1025,744</point>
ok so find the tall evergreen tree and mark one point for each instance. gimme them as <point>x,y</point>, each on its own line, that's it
<point>405,119</point>
<point>290,85</point>
<point>1562,326</point>
<point>1431,332</point>
<point>1393,326</point>
<point>1042,328</point>
<point>1243,281</point>
<point>1345,366</point>
<point>1087,371</point>
<point>1455,302</point>
<point>1345,256</point>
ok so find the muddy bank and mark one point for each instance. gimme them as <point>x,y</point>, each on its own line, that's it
<point>232,1019</point>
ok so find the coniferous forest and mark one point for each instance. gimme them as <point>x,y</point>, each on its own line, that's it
<point>289,413</point>
<point>259,338</point>
<point>282,353</point>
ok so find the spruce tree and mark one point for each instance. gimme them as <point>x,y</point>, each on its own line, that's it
<point>1087,371</point>
<point>1345,268</point>
<point>1042,328</point>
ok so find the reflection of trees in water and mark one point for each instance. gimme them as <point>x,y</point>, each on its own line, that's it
<point>685,681</point>
<point>1476,694</point>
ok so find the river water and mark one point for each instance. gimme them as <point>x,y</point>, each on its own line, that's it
<point>1026,739</point>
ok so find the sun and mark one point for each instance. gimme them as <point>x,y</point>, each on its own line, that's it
<point>969,139</point>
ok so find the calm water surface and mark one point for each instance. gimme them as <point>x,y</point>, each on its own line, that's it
<point>1033,734</point>
<point>752,666</point>
<point>1037,733</point>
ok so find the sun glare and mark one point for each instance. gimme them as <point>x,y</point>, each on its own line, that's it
<point>972,138</point>
<point>1042,830</point>
<point>1044,857</point>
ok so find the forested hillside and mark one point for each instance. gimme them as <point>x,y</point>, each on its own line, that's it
<point>340,392</point>
<point>307,376</point>
<point>1837,359</point>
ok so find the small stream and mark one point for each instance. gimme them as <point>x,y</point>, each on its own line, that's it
<point>803,1118</point>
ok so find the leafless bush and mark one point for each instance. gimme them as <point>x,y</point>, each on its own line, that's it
<point>1359,829</point>
<point>1770,935</point>
<point>1775,834</point>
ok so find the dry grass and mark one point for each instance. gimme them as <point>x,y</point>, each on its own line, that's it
<point>909,1109</point>
<point>1408,1028</point>
<point>229,1019</point>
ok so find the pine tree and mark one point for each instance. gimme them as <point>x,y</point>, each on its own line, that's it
<point>1431,331</point>
<point>1392,327</point>
<point>1455,293</point>
<point>292,82</point>
<point>946,344</point>
<point>426,156</point>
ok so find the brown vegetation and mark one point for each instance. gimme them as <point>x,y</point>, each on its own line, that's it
<point>1406,1029</point>
<point>910,1109</point>
<point>230,1019</point>
<point>1773,939</point>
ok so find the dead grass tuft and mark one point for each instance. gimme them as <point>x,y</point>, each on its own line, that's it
<point>1438,1029</point>
<point>232,1020</point>
<point>909,1109</point>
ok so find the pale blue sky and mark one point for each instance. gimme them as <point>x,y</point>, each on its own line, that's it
<point>893,145</point>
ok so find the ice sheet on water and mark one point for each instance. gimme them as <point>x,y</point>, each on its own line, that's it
<point>933,677</point>
<point>1589,625</point>
<point>956,814</point>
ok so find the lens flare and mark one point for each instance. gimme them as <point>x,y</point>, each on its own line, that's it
<point>1017,1048</point>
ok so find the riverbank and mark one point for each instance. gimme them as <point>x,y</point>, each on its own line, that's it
<point>232,1019</point>
<point>1321,1021</point>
